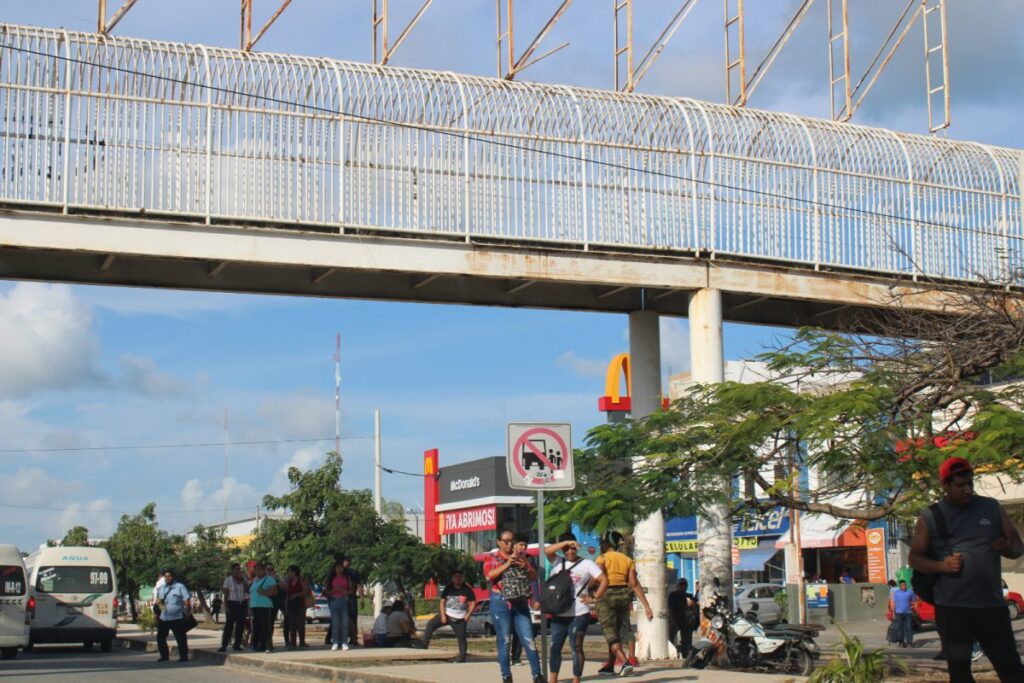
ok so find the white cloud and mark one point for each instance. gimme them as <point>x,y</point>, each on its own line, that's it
<point>301,413</point>
<point>94,516</point>
<point>231,493</point>
<point>305,458</point>
<point>33,486</point>
<point>584,367</point>
<point>141,375</point>
<point>48,340</point>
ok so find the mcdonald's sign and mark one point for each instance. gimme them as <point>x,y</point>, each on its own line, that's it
<point>613,400</point>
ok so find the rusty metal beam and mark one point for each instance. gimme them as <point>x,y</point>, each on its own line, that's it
<point>252,41</point>
<point>216,269</point>
<point>876,67</point>
<point>844,63</point>
<point>245,33</point>
<point>769,59</point>
<point>752,302</point>
<point>612,292</point>
<point>103,25</point>
<point>735,17</point>
<point>520,287</point>
<point>523,61</point>
<point>383,50</point>
<point>658,46</point>
<point>322,275</point>
<point>419,283</point>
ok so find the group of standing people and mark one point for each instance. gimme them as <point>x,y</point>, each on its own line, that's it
<point>255,598</point>
<point>607,585</point>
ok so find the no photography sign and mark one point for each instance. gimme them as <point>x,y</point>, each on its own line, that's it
<point>540,456</point>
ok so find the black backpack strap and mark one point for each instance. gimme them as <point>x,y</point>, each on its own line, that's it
<point>940,521</point>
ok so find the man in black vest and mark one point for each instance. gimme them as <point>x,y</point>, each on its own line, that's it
<point>969,602</point>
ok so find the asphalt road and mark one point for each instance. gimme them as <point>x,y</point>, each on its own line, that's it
<point>128,666</point>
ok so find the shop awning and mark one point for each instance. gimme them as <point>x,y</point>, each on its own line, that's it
<point>753,560</point>
<point>826,531</point>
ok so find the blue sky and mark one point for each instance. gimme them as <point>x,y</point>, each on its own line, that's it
<point>88,367</point>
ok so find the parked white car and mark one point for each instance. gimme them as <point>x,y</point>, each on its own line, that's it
<point>320,611</point>
<point>762,595</point>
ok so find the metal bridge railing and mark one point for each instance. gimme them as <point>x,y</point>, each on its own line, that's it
<point>165,129</point>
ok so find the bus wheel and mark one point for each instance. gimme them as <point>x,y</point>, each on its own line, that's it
<point>87,645</point>
<point>107,644</point>
<point>8,652</point>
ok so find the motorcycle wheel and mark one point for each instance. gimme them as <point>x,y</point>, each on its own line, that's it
<point>801,662</point>
<point>697,659</point>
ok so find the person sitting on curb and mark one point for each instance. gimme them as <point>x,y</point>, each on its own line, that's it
<point>400,626</point>
<point>380,625</point>
<point>457,604</point>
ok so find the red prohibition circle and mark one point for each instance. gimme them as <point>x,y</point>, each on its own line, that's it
<point>524,439</point>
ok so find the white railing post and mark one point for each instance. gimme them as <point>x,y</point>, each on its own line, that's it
<point>209,133</point>
<point>67,119</point>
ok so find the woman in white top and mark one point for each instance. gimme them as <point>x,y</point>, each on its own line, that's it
<point>573,622</point>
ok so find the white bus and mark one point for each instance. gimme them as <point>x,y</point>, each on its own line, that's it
<point>75,591</point>
<point>15,606</point>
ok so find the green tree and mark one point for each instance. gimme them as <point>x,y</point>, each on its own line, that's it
<point>403,561</point>
<point>202,561</point>
<point>326,522</point>
<point>874,413</point>
<point>137,549</point>
<point>77,536</point>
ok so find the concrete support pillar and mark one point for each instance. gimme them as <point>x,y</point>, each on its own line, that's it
<point>645,362</point>
<point>714,524</point>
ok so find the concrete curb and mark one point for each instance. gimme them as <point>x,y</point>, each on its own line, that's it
<point>285,668</point>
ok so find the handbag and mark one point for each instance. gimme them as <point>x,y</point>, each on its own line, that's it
<point>310,599</point>
<point>190,622</point>
<point>890,635</point>
<point>924,584</point>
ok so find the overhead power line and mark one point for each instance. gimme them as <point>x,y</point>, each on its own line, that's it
<point>509,145</point>
<point>74,449</point>
<point>116,512</point>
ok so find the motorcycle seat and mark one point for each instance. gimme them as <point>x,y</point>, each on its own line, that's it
<point>783,630</point>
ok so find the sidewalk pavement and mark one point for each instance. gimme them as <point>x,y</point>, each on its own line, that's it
<point>403,665</point>
<point>436,665</point>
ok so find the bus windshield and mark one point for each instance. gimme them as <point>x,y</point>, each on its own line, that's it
<point>67,579</point>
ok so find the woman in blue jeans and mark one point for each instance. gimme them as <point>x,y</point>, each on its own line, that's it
<point>573,622</point>
<point>510,573</point>
<point>338,591</point>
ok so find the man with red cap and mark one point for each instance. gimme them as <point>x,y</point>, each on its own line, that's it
<point>961,538</point>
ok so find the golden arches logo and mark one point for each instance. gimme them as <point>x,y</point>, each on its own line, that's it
<point>429,465</point>
<point>613,399</point>
<point>619,364</point>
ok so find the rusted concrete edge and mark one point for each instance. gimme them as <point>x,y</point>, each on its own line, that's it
<point>285,668</point>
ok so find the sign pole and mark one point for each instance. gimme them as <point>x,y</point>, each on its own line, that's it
<point>543,566</point>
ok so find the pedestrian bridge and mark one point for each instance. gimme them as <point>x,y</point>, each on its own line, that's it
<point>162,164</point>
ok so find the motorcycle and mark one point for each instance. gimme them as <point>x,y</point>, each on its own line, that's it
<point>748,644</point>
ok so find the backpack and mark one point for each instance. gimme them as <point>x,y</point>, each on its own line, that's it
<point>515,584</point>
<point>924,584</point>
<point>559,593</point>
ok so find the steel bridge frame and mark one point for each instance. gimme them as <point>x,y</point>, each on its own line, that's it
<point>94,123</point>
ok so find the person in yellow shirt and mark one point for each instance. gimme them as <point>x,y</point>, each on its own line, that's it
<point>614,606</point>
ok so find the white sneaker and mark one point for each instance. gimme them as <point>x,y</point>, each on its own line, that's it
<point>334,647</point>
<point>345,646</point>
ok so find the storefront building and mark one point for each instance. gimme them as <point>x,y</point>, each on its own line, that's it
<point>755,557</point>
<point>475,502</point>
